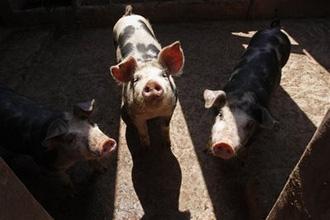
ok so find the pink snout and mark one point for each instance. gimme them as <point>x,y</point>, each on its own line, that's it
<point>152,90</point>
<point>108,146</point>
<point>223,150</point>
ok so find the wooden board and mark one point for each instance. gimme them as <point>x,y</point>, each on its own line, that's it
<point>306,194</point>
<point>16,202</point>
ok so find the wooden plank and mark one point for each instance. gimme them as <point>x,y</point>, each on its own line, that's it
<point>16,202</point>
<point>306,195</point>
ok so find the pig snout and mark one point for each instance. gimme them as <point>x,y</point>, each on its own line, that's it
<point>223,150</point>
<point>152,90</point>
<point>108,146</point>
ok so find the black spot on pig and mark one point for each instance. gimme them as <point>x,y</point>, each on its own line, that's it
<point>147,57</point>
<point>148,52</point>
<point>142,48</point>
<point>126,49</point>
<point>258,73</point>
<point>126,34</point>
<point>145,27</point>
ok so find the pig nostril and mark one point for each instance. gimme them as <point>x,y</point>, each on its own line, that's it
<point>146,89</point>
<point>160,92</point>
<point>158,88</point>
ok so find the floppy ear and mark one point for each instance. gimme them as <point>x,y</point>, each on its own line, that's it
<point>263,116</point>
<point>171,57</point>
<point>83,109</point>
<point>56,129</point>
<point>214,98</point>
<point>123,72</point>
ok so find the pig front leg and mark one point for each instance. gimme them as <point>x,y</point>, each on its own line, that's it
<point>165,130</point>
<point>142,128</point>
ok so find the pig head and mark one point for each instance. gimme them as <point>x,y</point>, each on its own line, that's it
<point>75,137</point>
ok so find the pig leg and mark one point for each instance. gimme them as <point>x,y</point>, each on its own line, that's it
<point>165,129</point>
<point>142,128</point>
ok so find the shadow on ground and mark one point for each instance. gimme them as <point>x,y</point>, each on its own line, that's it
<point>156,175</point>
<point>314,39</point>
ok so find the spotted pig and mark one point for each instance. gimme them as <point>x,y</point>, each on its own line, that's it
<point>145,71</point>
<point>241,106</point>
<point>54,139</point>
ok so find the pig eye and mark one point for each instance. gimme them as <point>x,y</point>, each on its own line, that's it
<point>136,79</point>
<point>220,114</point>
<point>164,75</point>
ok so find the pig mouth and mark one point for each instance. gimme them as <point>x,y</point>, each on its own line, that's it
<point>94,154</point>
<point>154,100</point>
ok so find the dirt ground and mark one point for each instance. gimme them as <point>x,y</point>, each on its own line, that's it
<point>59,66</point>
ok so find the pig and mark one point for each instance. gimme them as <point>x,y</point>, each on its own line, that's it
<point>54,139</point>
<point>242,106</point>
<point>145,71</point>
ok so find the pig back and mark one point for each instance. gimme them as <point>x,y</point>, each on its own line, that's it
<point>272,39</point>
<point>133,36</point>
<point>259,69</point>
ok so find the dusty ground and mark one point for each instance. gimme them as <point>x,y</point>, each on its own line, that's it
<point>62,65</point>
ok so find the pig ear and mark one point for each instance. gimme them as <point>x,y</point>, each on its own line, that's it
<point>84,109</point>
<point>56,129</point>
<point>265,119</point>
<point>171,57</point>
<point>123,72</point>
<point>214,98</point>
